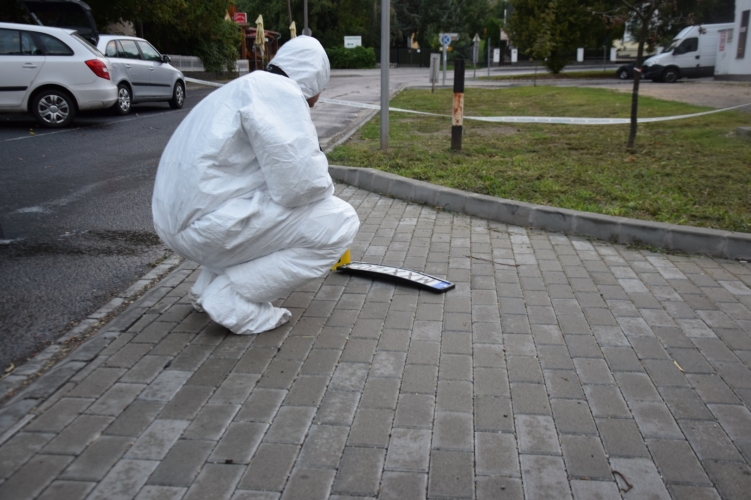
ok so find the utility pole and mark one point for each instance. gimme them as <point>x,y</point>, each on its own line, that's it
<point>385,46</point>
<point>457,115</point>
<point>305,31</point>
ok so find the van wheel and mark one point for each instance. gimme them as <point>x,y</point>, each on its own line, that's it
<point>623,74</point>
<point>124,100</point>
<point>178,96</point>
<point>670,75</point>
<point>53,108</point>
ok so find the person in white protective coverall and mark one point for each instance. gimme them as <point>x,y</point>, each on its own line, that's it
<point>244,190</point>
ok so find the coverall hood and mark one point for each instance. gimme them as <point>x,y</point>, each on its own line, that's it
<point>305,61</point>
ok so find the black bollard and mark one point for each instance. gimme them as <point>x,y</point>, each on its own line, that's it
<point>457,116</point>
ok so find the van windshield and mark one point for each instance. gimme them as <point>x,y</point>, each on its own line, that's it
<point>672,45</point>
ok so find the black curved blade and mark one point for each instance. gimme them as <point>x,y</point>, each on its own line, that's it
<point>398,274</point>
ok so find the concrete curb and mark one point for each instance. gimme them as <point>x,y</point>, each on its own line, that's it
<point>694,240</point>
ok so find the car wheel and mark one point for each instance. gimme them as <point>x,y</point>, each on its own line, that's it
<point>623,74</point>
<point>53,108</point>
<point>670,75</point>
<point>178,96</point>
<point>124,100</point>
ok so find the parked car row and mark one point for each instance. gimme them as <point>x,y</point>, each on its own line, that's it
<point>54,73</point>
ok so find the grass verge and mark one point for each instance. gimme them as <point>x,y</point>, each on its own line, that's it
<point>695,171</point>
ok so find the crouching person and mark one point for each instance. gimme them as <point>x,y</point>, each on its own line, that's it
<point>244,190</point>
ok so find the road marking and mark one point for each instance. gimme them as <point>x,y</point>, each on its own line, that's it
<point>45,208</point>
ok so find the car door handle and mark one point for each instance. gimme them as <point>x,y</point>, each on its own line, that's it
<point>151,68</point>
<point>29,65</point>
<point>127,66</point>
<point>698,57</point>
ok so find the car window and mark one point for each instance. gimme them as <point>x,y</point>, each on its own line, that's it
<point>53,46</point>
<point>86,43</point>
<point>689,45</point>
<point>10,42</point>
<point>130,51</point>
<point>29,47</point>
<point>149,52</point>
<point>111,50</point>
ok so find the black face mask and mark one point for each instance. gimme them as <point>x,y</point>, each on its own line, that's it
<point>276,70</point>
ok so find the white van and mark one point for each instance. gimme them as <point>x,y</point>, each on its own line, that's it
<point>691,54</point>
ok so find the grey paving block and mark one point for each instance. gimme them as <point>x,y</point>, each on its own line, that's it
<point>537,434</point>
<point>735,419</point>
<point>563,384</point>
<point>399,485</point>
<point>67,490</point>
<point>709,441</point>
<point>57,417</point>
<point>262,405</point>
<point>646,480</point>
<point>290,425</point>
<point>97,459</point>
<point>212,372</point>
<point>235,389</point>
<point>388,364</point>
<point>454,395</point>
<point>307,391</point>
<point>544,477</point>
<point>488,356</point>
<point>97,383</point>
<point>654,420</point>
<point>409,450</point>
<point>187,403</point>
<point>192,357</point>
<point>371,427</point>
<point>349,377</point>
<point>338,408</point>
<point>636,387</point>
<point>239,443</point>
<point>419,379</point>
<point>182,463</point>
<point>321,362</point>
<point>135,419</point>
<point>573,417</point>
<point>677,462</point>
<point>585,457</point>
<point>530,399</point>
<point>211,422</point>
<point>593,371</point>
<point>216,481</point>
<point>621,438</point>
<point>165,386</point>
<point>732,480</point>
<point>77,436</point>
<point>19,449</point>
<point>157,440</point>
<point>622,359</point>
<point>360,471</point>
<point>453,431</point>
<point>498,488</point>
<point>606,401</point>
<point>415,410</point>
<point>394,340</point>
<point>270,467</point>
<point>324,446</point>
<point>310,484</point>
<point>380,393</point>
<point>496,455</point>
<point>524,369</point>
<point>424,352</point>
<point>693,492</point>
<point>584,489</point>
<point>33,477</point>
<point>125,478</point>
<point>255,360</point>
<point>450,474</point>
<point>146,369</point>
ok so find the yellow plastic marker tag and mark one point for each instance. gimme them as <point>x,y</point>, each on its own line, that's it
<point>346,259</point>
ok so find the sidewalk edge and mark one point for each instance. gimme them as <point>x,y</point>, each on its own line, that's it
<point>688,239</point>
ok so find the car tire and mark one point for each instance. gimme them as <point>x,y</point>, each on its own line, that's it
<point>178,96</point>
<point>53,108</point>
<point>124,100</point>
<point>670,75</point>
<point>623,74</point>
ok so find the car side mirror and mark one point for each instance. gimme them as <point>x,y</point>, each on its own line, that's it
<point>166,58</point>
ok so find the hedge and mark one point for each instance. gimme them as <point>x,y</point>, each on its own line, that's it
<point>357,58</point>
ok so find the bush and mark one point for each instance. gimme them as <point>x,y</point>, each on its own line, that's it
<point>357,58</point>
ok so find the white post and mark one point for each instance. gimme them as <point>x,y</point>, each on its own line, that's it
<point>580,54</point>
<point>385,46</point>
<point>488,42</point>
<point>613,54</point>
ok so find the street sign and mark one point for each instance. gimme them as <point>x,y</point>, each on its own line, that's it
<point>240,18</point>
<point>350,42</point>
<point>445,40</point>
<point>476,38</point>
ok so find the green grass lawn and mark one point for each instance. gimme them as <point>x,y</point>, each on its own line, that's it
<point>694,171</point>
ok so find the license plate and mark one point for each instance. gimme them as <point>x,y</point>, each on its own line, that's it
<point>398,274</point>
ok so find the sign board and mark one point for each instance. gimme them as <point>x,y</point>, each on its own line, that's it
<point>435,63</point>
<point>496,55</point>
<point>240,18</point>
<point>445,40</point>
<point>398,274</point>
<point>350,42</point>
<point>514,55</point>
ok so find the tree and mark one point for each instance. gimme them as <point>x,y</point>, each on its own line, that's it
<point>570,23</point>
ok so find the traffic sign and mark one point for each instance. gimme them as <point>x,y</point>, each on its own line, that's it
<point>240,18</point>
<point>445,40</point>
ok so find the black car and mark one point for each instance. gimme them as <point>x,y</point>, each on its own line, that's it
<point>625,72</point>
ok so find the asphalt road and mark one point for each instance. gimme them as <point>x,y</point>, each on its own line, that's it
<point>75,217</point>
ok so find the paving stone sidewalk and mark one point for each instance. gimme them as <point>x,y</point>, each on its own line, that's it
<point>557,368</point>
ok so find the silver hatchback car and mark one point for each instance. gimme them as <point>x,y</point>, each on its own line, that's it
<point>141,73</point>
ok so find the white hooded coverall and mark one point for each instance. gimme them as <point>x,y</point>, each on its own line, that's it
<point>244,190</point>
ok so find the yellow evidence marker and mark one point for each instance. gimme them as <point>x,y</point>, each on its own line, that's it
<point>345,259</point>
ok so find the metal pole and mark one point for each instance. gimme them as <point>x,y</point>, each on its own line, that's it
<point>444,64</point>
<point>305,30</point>
<point>385,43</point>
<point>488,56</point>
<point>457,116</point>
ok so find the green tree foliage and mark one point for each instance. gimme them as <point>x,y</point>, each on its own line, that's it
<point>185,27</point>
<point>563,24</point>
<point>359,57</point>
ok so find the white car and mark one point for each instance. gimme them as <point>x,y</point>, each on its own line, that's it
<point>141,73</point>
<point>51,73</point>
